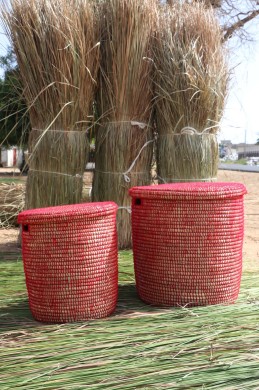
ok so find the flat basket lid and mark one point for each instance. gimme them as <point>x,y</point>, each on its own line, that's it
<point>67,212</point>
<point>187,191</point>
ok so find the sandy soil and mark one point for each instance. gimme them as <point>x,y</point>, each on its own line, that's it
<point>8,237</point>
<point>251,239</point>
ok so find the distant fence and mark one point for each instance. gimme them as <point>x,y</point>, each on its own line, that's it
<point>248,151</point>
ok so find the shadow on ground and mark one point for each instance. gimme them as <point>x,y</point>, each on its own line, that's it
<point>17,315</point>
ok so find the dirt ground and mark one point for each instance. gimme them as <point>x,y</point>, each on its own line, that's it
<point>251,239</point>
<point>8,237</point>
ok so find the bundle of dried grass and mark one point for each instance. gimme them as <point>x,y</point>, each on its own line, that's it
<point>56,43</point>
<point>191,83</point>
<point>124,138</point>
<point>11,203</point>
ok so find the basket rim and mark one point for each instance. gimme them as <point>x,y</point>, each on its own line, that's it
<point>66,212</point>
<point>190,190</point>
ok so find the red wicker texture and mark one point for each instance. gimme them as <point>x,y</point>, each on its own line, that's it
<point>70,261</point>
<point>187,242</point>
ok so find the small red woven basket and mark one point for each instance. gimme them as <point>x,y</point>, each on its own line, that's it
<point>187,242</point>
<point>70,261</point>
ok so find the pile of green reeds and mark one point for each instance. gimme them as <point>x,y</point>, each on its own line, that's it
<point>213,347</point>
<point>190,87</point>
<point>123,143</point>
<point>57,49</point>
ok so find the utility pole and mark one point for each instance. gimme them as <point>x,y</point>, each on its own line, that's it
<point>245,144</point>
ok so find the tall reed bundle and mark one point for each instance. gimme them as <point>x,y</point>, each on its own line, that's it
<point>124,105</point>
<point>56,43</point>
<point>190,86</point>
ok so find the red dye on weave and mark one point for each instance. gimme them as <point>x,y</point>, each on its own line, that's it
<point>187,242</point>
<point>70,259</point>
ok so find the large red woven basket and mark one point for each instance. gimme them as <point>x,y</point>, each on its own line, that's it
<point>187,242</point>
<point>70,261</point>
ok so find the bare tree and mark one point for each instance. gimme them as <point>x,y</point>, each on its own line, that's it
<point>233,14</point>
<point>236,14</point>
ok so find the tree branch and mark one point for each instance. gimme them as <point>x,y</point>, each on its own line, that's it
<point>239,24</point>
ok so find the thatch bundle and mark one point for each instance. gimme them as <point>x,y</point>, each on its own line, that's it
<point>190,86</point>
<point>11,203</point>
<point>124,136</point>
<point>56,43</point>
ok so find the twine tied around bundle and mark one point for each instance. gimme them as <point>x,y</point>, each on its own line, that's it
<point>44,131</point>
<point>77,175</point>
<point>141,125</point>
<point>126,173</point>
<point>192,131</point>
<point>128,208</point>
<point>189,130</point>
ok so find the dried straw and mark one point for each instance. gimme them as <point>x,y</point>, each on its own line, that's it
<point>184,157</point>
<point>125,97</point>
<point>56,43</point>
<point>190,86</point>
<point>11,203</point>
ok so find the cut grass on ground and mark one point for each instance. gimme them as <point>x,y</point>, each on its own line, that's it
<point>12,179</point>
<point>139,347</point>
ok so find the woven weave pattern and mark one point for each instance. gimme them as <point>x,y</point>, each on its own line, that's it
<point>70,261</point>
<point>187,242</point>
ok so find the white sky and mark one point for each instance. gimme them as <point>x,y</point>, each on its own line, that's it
<point>241,118</point>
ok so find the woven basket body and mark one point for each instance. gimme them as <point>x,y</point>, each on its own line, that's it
<point>70,261</point>
<point>187,242</point>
